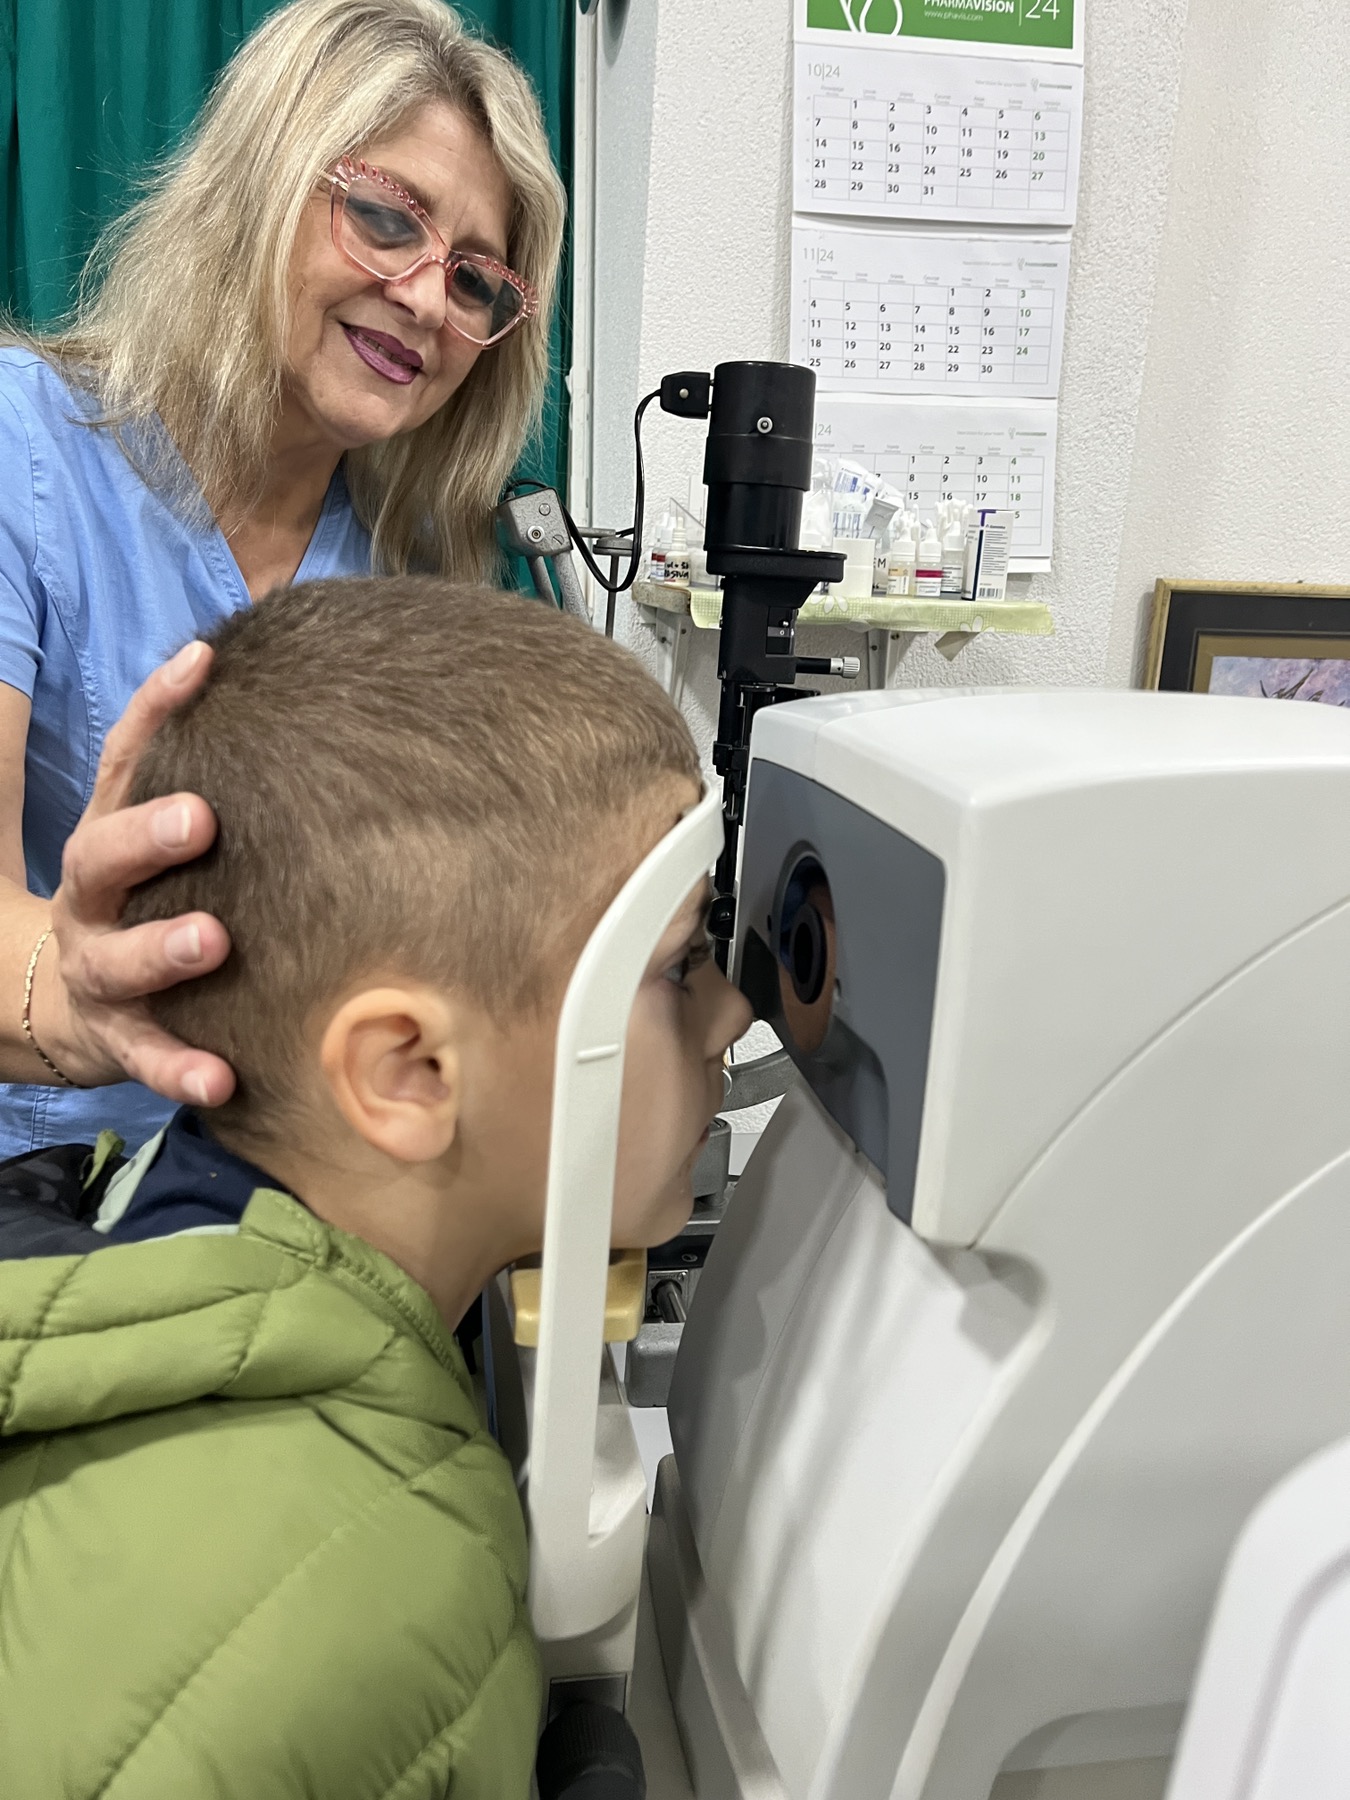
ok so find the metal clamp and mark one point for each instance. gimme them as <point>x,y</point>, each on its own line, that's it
<point>534,527</point>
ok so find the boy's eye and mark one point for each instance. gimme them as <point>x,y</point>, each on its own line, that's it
<point>695,955</point>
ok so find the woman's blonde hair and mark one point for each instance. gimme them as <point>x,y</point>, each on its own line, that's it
<point>184,308</point>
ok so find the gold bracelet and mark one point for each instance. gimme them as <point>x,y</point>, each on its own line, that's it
<point>27,1004</point>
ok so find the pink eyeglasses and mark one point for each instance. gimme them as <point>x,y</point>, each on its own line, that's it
<point>381,229</point>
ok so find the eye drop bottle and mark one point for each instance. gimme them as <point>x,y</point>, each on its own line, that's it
<point>900,567</point>
<point>953,557</point>
<point>882,559</point>
<point>928,570</point>
<point>661,539</point>
<point>677,556</point>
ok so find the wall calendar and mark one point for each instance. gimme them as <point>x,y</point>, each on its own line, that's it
<point>908,135</point>
<point>935,170</point>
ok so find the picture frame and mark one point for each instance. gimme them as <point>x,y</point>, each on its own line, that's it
<point>1271,640</point>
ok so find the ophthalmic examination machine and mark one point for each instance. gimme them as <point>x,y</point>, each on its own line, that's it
<point>1034,1284</point>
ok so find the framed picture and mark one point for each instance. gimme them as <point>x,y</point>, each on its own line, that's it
<point>1265,641</point>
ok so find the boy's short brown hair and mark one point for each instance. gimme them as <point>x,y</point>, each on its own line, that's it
<point>412,777</point>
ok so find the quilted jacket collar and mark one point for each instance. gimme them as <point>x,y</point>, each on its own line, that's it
<point>290,1307</point>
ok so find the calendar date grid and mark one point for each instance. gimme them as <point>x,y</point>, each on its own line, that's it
<point>927,335</point>
<point>929,156</point>
<point>1013,481</point>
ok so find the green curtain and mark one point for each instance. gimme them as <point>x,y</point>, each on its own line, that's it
<point>92,90</point>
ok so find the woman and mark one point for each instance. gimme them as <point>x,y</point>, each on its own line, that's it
<point>317,345</point>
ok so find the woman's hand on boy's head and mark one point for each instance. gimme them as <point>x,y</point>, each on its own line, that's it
<point>90,1005</point>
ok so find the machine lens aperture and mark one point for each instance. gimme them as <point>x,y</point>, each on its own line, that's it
<point>806,955</point>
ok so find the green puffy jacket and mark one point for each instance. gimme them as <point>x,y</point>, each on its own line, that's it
<point>254,1541</point>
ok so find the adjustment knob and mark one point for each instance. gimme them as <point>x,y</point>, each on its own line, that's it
<point>722,919</point>
<point>589,1752</point>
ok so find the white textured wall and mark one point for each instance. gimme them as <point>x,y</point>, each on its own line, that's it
<point>625,76</point>
<point>1203,407</point>
<point>1242,451</point>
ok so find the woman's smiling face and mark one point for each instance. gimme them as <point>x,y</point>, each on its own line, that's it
<point>367,358</point>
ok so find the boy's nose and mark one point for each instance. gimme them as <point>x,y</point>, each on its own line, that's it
<point>734,1016</point>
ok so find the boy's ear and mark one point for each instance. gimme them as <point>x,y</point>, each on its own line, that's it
<point>391,1058</point>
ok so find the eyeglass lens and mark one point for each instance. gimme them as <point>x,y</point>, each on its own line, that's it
<point>387,238</point>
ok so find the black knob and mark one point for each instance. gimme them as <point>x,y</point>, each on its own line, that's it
<point>589,1752</point>
<point>722,919</point>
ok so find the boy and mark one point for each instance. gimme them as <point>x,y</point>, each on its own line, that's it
<point>254,1541</point>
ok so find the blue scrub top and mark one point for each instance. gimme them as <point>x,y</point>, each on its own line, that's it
<point>100,581</point>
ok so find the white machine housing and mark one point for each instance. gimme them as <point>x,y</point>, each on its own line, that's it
<point>1270,1715</point>
<point>952,1497</point>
